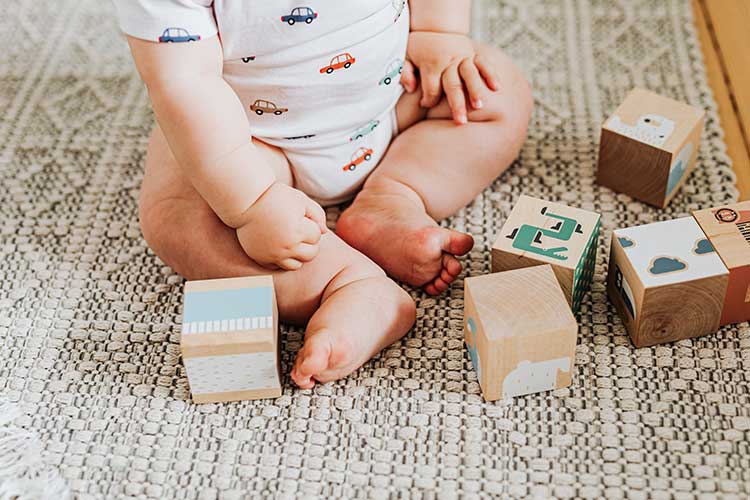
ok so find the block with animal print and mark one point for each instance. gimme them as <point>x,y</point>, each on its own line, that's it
<point>543,232</point>
<point>648,147</point>
<point>666,281</point>
<point>728,230</point>
<point>520,332</point>
<point>229,339</point>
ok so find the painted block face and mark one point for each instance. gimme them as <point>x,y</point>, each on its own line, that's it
<point>541,232</point>
<point>519,331</point>
<point>649,146</point>
<point>728,229</point>
<point>229,339</point>
<point>667,281</point>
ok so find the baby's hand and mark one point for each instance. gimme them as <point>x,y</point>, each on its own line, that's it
<point>283,228</point>
<point>447,64</point>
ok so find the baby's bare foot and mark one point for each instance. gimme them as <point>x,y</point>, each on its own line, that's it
<point>399,236</point>
<point>352,325</point>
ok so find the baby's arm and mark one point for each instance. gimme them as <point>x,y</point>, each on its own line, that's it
<point>445,57</point>
<point>208,133</point>
<point>444,16</point>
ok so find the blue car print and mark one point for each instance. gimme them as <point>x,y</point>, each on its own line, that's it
<point>394,69</point>
<point>300,15</point>
<point>367,129</point>
<point>178,35</point>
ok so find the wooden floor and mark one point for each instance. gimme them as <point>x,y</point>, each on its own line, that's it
<point>724,31</point>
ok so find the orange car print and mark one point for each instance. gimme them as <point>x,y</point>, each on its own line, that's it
<point>361,155</point>
<point>340,61</point>
<point>260,106</point>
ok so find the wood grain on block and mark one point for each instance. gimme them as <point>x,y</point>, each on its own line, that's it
<point>229,339</point>
<point>649,146</point>
<point>519,331</point>
<point>666,281</point>
<point>728,229</point>
<point>543,232</point>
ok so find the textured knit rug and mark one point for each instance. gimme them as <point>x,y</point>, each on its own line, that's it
<point>95,400</point>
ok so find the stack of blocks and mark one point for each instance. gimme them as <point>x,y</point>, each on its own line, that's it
<point>518,323</point>
<point>229,339</point>
<point>649,147</point>
<point>682,278</point>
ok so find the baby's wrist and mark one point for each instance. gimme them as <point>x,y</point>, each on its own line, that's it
<point>441,32</point>
<point>241,218</point>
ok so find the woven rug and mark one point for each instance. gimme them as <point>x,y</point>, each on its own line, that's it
<point>95,400</point>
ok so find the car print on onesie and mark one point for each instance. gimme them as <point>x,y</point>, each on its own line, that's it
<point>261,107</point>
<point>360,156</point>
<point>177,35</point>
<point>367,129</point>
<point>300,15</point>
<point>394,69</point>
<point>341,61</point>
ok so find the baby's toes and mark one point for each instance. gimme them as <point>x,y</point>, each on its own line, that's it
<point>451,268</point>
<point>312,359</point>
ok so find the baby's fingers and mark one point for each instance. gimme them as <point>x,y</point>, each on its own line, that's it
<point>306,252</point>
<point>431,88</point>
<point>408,78</point>
<point>290,264</point>
<point>473,82</point>
<point>315,212</point>
<point>309,231</point>
<point>488,73</point>
<point>454,92</point>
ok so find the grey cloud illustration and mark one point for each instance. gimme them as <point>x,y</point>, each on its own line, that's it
<point>664,265</point>
<point>703,246</point>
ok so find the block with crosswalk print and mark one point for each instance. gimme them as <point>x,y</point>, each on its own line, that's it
<point>229,339</point>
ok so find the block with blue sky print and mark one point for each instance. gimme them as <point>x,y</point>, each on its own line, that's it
<point>229,339</point>
<point>667,281</point>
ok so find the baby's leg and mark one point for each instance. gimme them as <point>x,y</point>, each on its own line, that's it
<point>432,169</point>
<point>353,308</point>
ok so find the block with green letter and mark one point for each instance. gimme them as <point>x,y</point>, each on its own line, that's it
<point>542,232</point>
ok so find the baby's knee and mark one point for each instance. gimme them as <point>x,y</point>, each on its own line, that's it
<point>511,106</point>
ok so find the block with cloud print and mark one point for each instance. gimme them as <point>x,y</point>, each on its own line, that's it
<point>666,281</point>
<point>229,339</point>
<point>542,232</point>
<point>519,331</point>
<point>649,146</point>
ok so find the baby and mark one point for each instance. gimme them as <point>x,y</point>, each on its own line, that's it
<point>267,110</point>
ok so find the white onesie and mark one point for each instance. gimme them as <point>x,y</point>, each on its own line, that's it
<point>317,78</point>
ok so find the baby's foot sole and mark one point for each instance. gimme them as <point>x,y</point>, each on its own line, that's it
<point>411,248</point>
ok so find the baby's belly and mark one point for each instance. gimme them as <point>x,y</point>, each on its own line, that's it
<point>330,84</point>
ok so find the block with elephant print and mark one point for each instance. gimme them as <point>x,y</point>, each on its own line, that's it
<point>520,332</point>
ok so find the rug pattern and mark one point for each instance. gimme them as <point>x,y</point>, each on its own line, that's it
<point>89,317</point>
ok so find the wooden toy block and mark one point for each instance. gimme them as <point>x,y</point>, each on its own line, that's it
<point>520,332</point>
<point>229,339</point>
<point>666,281</point>
<point>542,232</point>
<point>648,147</point>
<point>728,229</point>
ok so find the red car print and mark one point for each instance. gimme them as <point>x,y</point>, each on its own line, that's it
<point>361,155</point>
<point>340,61</point>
